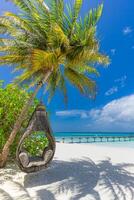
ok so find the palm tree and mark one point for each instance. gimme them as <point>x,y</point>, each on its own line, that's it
<point>49,44</point>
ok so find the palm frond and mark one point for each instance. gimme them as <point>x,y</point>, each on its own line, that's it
<point>63,88</point>
<point>59,39</point>
<point>11,59</point>
<point>23,4</point>
<point>57,11</point>
<point>53,83</point>
<point>19,21</point>
<point>94,16</point>
<point>43,60</point>
<point>84,84</point>
<point>86,69</point>
<point>74,15</point>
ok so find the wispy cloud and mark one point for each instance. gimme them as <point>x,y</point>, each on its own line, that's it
<point>73,113</point>
<point>118,114</point>
<point>111,91</point>
<point>127,30</point>
<point>113,51</point>
<point>121,81</point>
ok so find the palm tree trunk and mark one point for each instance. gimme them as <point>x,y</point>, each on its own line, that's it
<point>17,126</point>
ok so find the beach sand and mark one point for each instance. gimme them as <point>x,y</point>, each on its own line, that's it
<point>78,172</point>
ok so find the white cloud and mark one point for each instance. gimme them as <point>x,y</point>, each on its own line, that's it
<point>73,113</point>
<point>121,81</point>
<point>111,91</point>
<point>116,115</point>
<point>127,30</point>
<point>113,51</point>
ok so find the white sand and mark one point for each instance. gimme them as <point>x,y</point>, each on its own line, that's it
<point>78,172</point>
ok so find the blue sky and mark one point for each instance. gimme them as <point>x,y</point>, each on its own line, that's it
<point>113,108</point>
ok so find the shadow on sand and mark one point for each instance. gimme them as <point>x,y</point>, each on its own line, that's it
<point>81,177</point>
<point>13,190</point>
<point>9,188</point>
<point>4,195</point>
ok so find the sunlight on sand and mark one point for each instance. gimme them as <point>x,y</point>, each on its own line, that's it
<point>78,172</point>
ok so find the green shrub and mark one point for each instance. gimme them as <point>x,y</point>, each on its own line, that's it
<point>12,99</point>
<point>35,143</point>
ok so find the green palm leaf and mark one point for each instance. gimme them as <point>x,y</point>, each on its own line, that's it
<point>85,85</point>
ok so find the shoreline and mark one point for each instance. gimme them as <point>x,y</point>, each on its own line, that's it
<point>129,145</point>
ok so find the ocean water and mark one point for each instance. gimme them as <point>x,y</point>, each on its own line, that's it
<point>89,134</point>
<point>101,138</point>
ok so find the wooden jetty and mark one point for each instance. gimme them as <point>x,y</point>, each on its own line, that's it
<point>95,139</point>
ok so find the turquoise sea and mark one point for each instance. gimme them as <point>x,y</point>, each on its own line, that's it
<point>101,138</point>
<point>82,134</point>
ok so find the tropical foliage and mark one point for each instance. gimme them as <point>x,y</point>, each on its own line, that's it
<point>35,144</point>
<point>52,37</point>
<point>12,99</point>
